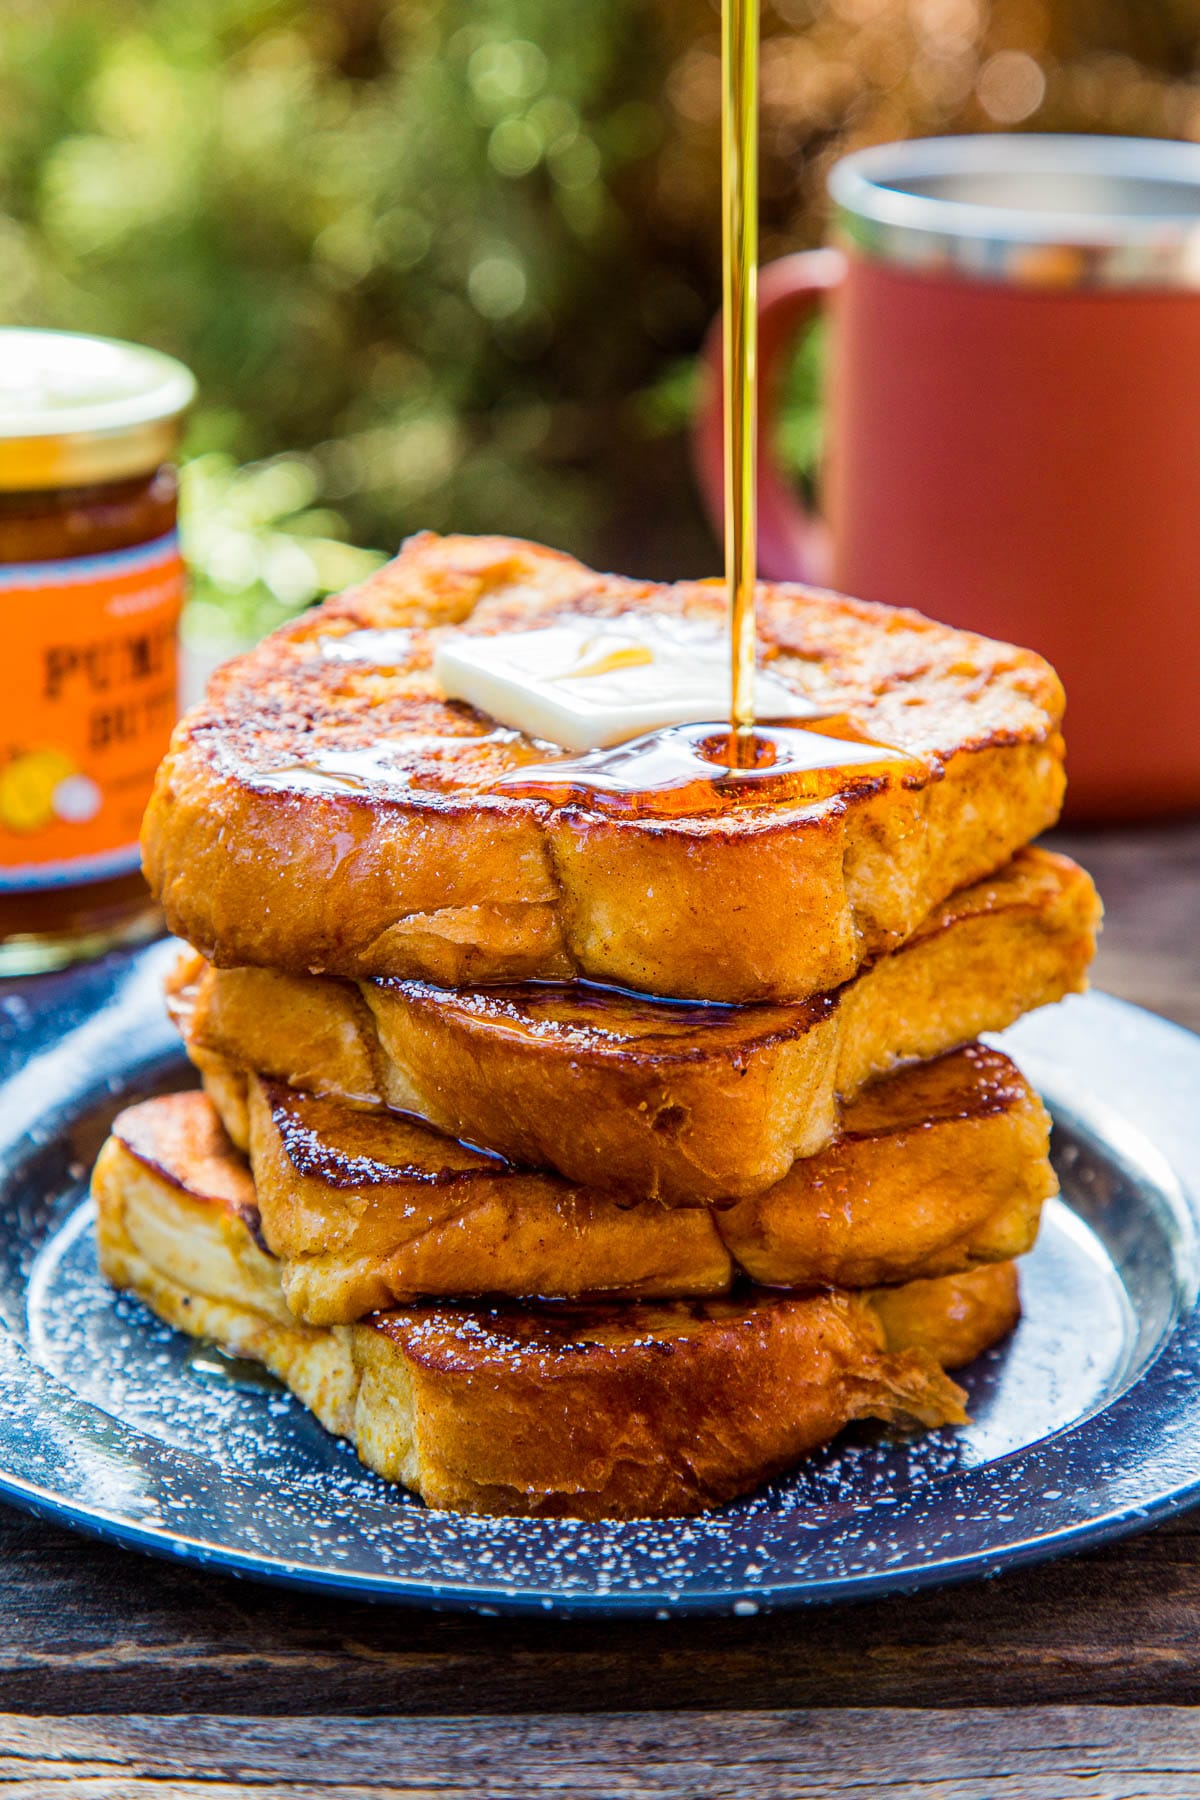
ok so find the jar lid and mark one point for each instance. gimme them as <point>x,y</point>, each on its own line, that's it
<point>76,410</point>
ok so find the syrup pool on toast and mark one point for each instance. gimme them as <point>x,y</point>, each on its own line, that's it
<point>703,768</point>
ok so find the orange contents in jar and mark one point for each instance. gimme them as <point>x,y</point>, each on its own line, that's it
<point>91,585</point>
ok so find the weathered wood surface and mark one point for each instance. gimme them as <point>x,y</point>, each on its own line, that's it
<point>86,1629</point>
<point>1088,1753</point>
<point>1150,946</point>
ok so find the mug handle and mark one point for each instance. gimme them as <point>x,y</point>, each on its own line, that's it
<point>792,546</point>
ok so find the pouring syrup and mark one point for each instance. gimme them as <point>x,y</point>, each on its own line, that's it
<point>702,768</point>
<point>690,768</point>
<point>739,210</point>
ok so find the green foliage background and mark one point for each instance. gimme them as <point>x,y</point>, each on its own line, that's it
<point>448,264</point>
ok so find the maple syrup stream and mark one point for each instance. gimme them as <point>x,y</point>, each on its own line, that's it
<point>739,197</point>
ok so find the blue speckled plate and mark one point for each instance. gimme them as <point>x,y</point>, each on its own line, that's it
<point>1086,1424</point>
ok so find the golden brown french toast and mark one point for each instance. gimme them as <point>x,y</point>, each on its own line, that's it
<point>327,810</point>
<point>937,1169</point>
<point>686,1102</point>
<point>589,1412</point>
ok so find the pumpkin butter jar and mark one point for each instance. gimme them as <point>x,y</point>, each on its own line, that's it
<point>91,586</point>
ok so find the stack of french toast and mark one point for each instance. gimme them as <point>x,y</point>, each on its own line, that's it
<point>596,1131</point>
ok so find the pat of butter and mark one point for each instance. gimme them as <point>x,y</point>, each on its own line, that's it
<point>590,685</point>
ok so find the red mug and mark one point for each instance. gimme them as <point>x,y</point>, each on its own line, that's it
<point>1014,424</point>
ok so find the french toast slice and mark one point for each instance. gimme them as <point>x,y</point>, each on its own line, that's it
<point>936,1170</point>
<point>684,1102</point>
<point>327,810</point>
<point>588,1412</point>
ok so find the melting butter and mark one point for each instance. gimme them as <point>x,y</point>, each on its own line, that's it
<point>591,684</point>
<point>606,652</point>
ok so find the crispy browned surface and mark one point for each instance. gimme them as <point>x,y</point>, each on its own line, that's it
<point>937,1170</point>
<point>419,868</point>
<point>592,1412</point>
<point>183,1141</point>
<point>649,1098</point>
<point>632,1411</point>
<point>651,1410</point>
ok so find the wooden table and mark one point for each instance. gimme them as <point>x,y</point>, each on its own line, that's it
<point>120,1676</point>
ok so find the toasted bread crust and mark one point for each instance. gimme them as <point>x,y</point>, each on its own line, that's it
<point>421,869</point>
<point>591,1413</point>
<point>689,1104</point>
<point>937,1170</point>
<point>639,1411</point>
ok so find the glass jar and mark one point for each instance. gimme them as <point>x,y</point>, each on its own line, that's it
<point>91,586</point>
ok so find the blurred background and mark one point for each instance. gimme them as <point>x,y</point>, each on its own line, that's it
<point>449,264</point>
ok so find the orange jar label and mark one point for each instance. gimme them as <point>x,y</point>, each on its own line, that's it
<point>88,671</point>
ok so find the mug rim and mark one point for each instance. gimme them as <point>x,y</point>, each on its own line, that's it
<point>1059,247</point>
